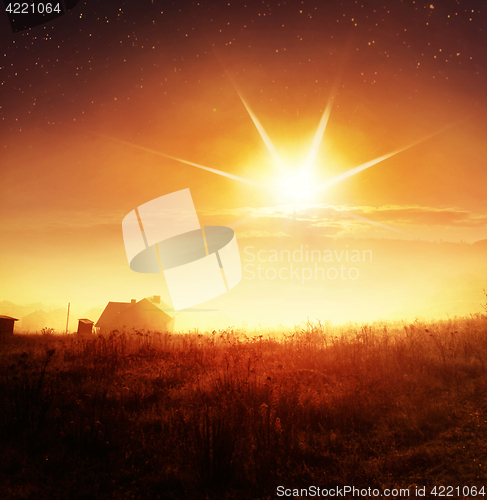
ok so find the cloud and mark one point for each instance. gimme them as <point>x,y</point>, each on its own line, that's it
<point>55,220</point>
<point>423,216</point>
<point>320,215</point>
<point>267,221</point>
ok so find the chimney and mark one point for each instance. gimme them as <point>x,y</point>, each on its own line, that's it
<point>133,301</point>
<point>156,299</point>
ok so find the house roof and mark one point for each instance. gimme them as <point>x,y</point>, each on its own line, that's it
<point>8,317</point>
<point>149,307</point>
<point>112,312</point>
<point>87,321</point>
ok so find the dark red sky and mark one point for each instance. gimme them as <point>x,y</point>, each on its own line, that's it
<point>111,49</point>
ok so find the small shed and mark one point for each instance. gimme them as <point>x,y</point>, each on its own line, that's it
<point>85,327</point>
<point>7,325</point>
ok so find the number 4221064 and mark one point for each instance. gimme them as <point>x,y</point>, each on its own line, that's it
<point>33,8</point>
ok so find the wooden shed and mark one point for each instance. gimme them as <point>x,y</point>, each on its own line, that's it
<point>7,325</point>
<point>85,327</point>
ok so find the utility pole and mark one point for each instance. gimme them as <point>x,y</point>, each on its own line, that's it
<point>67,320</point>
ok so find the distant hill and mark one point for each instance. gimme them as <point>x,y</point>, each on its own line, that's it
<point>38,320</point>
<point>10,309</point>
<point>480,245</point>
<point>35,317</point>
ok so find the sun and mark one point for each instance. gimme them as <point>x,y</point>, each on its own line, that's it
<point>299,187</point>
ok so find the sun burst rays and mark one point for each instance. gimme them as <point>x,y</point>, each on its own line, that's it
<point>300,186</point>
<point>186,162</point>
<point>262,132</point>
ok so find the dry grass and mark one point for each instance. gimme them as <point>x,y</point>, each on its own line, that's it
<point>234,415</point>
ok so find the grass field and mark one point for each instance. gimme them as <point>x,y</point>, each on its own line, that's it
<point>235,414</point>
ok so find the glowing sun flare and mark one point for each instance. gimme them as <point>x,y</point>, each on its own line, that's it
<point>299,186</point>
<point>263,133</point>
<point>320,132</point>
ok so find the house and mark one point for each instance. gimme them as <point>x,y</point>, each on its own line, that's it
<point>7,325</point>
<point>148,315</point>
<point>85,327</point>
